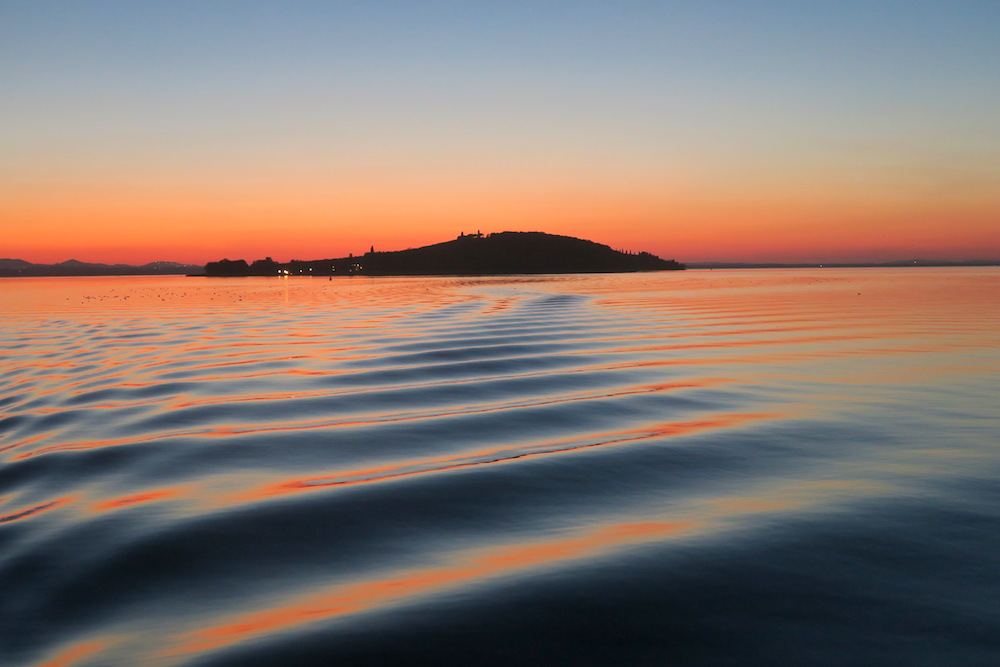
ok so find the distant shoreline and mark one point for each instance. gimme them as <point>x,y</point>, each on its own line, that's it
<point>690,267</point>
<point>693,266</point>
<point>16,268</point>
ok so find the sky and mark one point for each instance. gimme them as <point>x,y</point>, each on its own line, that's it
<point>191,130</point>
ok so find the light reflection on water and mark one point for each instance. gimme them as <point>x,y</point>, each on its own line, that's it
<point>297,471</point>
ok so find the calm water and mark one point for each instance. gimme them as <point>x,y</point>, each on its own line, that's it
<point>728,467</point>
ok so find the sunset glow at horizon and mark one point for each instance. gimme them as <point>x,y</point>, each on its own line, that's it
<point>720,131</point>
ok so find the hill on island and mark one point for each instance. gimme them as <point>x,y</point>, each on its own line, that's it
<point>473,254</point>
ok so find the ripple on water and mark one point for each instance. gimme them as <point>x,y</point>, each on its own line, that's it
<point>645,469</point>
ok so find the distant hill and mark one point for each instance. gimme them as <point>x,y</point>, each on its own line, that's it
<point>474,254</point>
<point>13,264</point>
<point>73,267</point>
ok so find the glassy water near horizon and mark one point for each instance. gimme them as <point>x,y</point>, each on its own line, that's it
<point>698,468</point>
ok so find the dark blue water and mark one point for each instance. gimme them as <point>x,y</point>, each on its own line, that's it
<point>704,468</point>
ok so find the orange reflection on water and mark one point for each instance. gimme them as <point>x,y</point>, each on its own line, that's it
<point>353,598</point>
<point>766,356</point>
<point>74,654</point>
<point>26,441</point>
<point>370,420</point>
<point>31,511</point>
<point>496,455</point>
<point>137,499</point>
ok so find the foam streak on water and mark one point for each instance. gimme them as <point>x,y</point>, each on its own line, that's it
<point>727,467</point>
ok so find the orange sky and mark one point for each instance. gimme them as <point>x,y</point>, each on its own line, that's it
<point>115,222</point>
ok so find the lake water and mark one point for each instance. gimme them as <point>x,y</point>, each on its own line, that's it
<point>763,467</point>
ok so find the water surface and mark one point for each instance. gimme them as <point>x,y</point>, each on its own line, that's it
<point>708,467</point>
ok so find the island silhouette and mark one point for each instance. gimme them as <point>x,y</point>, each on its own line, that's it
<point>500,253</point>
